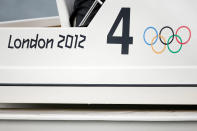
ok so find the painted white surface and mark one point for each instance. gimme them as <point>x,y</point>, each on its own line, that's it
<point>99,62</point>
<point>99,95</point>
<point>96,126</point>
<point>102,63</point>
<point>96,115</point>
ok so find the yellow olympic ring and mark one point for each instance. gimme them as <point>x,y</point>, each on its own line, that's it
<point>158,52</point>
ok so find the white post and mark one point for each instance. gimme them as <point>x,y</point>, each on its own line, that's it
<point>63,13</point>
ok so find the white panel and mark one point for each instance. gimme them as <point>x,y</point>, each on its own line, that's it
<point>101,63</point>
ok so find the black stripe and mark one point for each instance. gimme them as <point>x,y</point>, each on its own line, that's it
<point>105,107</point>
<point>98,85</point>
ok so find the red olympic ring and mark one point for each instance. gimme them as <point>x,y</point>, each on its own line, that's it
<point>190,34</point>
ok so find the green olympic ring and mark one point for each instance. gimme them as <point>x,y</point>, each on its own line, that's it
<point>174,52</point>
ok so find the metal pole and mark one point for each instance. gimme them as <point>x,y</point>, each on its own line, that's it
<point>90,11</point>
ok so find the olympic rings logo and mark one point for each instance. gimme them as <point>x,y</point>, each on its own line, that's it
<point>166,42</point>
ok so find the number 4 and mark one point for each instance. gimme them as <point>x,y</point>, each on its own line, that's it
<point>125,40</point>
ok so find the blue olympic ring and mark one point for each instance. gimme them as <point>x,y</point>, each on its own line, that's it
<point>151,27</point>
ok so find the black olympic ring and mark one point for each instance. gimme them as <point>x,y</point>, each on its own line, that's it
<point>166,27</point>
